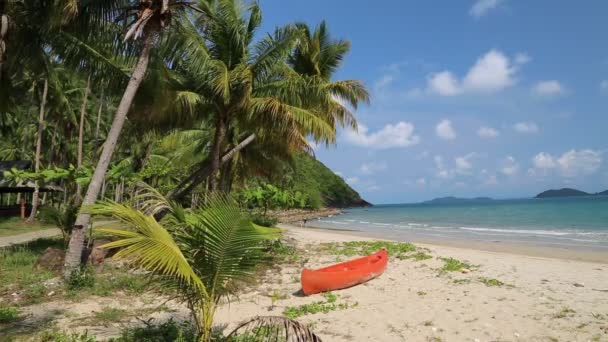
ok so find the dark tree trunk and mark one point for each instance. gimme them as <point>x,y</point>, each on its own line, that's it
<point>83,110</point>
<point>216,151</point>
<point>81,227</point>
<point>36,193</point>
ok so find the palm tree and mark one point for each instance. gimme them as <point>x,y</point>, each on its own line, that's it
<point>150,18</point>
<point>202,253</point>
<point>285,105</point>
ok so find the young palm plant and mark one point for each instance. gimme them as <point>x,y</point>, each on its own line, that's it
<point>202,254</point>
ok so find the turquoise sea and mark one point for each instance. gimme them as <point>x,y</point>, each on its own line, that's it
<point>581,222</point>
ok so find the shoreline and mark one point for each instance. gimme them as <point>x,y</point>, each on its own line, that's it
<point>502,247</point>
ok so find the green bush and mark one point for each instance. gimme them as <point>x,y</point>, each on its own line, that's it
<point>164,332</point>
<point>8,314</point>
<point>265,221</point>
<point>82,278</point>
<point>62,336</point>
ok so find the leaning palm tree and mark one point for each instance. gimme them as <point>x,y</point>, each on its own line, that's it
<point>203,254</point>
<point>150,17</point>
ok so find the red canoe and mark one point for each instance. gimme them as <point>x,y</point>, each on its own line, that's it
<point>343,275</point>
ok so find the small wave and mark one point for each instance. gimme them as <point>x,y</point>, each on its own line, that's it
<point>364,222</point>
<point>381,224</point>
<point>518,231</point>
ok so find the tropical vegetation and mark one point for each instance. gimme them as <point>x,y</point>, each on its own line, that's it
<point>178,118</point>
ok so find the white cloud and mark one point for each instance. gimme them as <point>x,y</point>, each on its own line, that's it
<point>421,181</point>
<point>579,163</point>
<point>526,127</point>
<point>487,132</point>
<point>604,85</point>
<point>371,168</point>
<point>444,130</point>
<point>442,172</point>
<point>383,82</point>
<point>491,72</point>
<point>522,58</point>
<point>463,164</point>
<point>548,88</point>
<point>444,83</point>
<point>491,180</point>
<point>398,135</point>
<point>510,166</point>
<point>482,7</point>
<point>571,164</point>
<point>338,173</point>
<point>543,161</point>
<point>352,180</point>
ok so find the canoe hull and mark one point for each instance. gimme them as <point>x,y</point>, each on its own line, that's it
<point>343,275</point>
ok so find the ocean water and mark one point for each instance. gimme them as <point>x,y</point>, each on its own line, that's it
<point>579,222</point>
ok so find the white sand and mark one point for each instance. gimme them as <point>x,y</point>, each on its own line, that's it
<point>412,302</point>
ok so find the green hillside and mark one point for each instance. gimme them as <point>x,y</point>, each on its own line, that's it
<point>309,176</point>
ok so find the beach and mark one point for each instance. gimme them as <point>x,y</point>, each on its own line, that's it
<point>495,296</point>
<point>541,299</point>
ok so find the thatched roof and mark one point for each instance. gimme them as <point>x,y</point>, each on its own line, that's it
<point>7,186</point>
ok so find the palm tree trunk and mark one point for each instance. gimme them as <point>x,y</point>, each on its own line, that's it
<point>203,172</point>
<point>97,127</point>
<point>81,226</point>
<point>38,147</point>
<point>81,136</point>
<point>216,151</point>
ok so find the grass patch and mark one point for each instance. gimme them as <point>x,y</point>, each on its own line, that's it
<point>462,281</point>
<point>353,248</point>
<point>14,225</point>
<point>8,314</point>
<point>110,315</point>
<point>280,252</point>
<point>493,282</point>
<point>167,331</point>
<point>18,275</point>
<point>329,304</point>
<point>57,335</point>
<point>419,256</point>
<point>565,312</point>
<point>454,265</point>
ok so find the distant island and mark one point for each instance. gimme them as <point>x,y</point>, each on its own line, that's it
<point>452,199</point>
<point>568,192</point>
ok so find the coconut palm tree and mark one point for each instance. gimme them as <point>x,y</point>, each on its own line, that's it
<point>149,18</point>
<point>306,86</point>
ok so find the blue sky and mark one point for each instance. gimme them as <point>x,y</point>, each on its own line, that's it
<point>499,98</point>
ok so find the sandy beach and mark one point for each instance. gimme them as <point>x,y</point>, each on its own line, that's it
<point>501,297</point>
<point>542,299</point>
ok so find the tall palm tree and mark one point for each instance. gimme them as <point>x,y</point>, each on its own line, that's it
<point>305,88</point>
<point>150,17</point>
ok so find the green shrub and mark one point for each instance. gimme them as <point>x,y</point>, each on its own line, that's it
<point>167,331</point>
<point>8,314</point>
<point>62,336</point>
<point>82,278</point>
<point>265,221</point>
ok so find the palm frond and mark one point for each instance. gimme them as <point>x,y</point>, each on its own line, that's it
<point>147,244</point>
<point>273,328</point>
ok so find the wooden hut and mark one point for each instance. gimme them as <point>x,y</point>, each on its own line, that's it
<point>15,198</point>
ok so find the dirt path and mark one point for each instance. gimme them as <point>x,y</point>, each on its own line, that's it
<point>25,237</point>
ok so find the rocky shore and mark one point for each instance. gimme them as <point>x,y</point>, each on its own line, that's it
<point>297,215</point>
